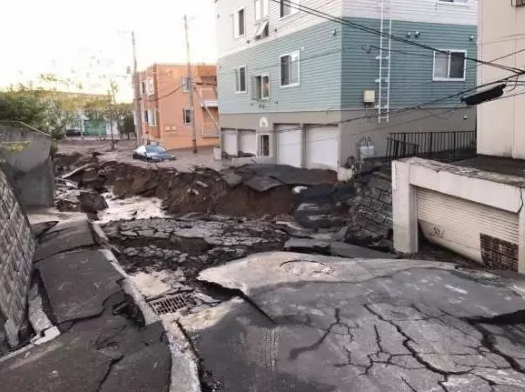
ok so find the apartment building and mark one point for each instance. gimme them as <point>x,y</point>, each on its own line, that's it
<point>299,88</point>
<point>475,207</point>
<point>166,112</point>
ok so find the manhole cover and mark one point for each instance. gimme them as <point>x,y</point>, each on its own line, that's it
<point>169,304</point>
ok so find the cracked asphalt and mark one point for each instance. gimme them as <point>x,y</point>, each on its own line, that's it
<point>314,323</point>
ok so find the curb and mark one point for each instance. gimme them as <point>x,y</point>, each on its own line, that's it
<point>184,369</point>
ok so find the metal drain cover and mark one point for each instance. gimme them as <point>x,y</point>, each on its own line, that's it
<point>169,304</point>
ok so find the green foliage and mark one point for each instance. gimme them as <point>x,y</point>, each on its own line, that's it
<point>23,105</point>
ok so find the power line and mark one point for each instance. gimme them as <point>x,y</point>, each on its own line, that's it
<point>370,30</point>
<point>164,96</point>
<point>409,108</point>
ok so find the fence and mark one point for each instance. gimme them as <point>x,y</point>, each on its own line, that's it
<point>448,145</point>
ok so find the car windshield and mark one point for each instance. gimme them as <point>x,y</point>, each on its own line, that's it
<point>155,149</point>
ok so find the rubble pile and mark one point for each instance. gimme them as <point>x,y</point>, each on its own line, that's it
<point>178,249</point>
<point>251,190</point>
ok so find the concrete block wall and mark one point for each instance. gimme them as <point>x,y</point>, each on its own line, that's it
<point>373,216</point>
<point>17,247</point>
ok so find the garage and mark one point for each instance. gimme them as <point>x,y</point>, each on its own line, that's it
<point>322,147</point>
<point>247,141</point>
<point>289,144</point>
<point>443,219</point>
<point>229,141</point>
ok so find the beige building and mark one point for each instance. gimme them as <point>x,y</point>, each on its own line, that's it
<point>475,207</point>
<point>501,124</point>
<point>166,107</point>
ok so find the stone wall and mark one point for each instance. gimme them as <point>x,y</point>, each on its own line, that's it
<point>373,212</point>
<point>17,246</point>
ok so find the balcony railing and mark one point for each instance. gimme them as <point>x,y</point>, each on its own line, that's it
<point>448,145</point>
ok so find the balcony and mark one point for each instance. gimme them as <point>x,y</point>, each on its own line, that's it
<point>208,97</point>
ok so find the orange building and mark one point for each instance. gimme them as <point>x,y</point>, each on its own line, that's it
<point>166,108</point>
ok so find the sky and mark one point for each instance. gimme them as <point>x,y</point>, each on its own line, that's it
<point>90,41</point>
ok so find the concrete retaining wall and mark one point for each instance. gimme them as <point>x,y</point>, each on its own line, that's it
<point>17,247</point>
<point>30,170</point>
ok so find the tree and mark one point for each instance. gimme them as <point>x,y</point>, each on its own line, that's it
<point>23,105</point>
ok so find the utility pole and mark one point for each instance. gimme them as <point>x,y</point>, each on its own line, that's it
<point>190,88</point>
<point>110,112</point>
<point>136,90</point>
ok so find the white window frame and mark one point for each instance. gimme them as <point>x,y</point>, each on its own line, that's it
<point>261,86</point>
<point>237,79</point>
<point>152,117</point>
<point>185,83</point>
<point>298,52</point>
<point>454,2</point>
<point>184,110</point>
<point>261,8</point>
<point>448,79</point>
<point>293,10</point>
<point>236,23</point>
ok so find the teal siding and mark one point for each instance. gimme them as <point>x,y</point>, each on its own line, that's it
<point>320,87</point>
<point>335,69</point>
<point>411,72</point>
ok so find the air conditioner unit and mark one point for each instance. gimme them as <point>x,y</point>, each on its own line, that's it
<point>369,96</point>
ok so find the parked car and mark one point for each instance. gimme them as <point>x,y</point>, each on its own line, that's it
<point>73,132</point>
<point>151,153</point>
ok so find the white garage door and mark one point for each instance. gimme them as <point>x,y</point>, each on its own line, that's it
<point>289,145</point>
<point>229,142</point>
<point>247,142</point>
<point>322,147</point>
<point>443,220</point>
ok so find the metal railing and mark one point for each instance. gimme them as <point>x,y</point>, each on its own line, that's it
<point>447,145</point>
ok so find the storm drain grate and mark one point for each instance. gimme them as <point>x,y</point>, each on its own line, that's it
<point>169,304</point>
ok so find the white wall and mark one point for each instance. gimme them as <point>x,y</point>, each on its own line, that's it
<point>227,45</point>
<point>501,124</point>
<point>430,11</point>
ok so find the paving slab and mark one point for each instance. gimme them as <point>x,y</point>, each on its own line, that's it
<point>147,370</point>
<point>307,245</point>
<point>231,179</point>
<point>64,236</point>
<point>66,363</point>
<point>290,175</point>
<point>262,183</point>
<point>78,283</point>
<point>359,252</point>
<point>313,323</point>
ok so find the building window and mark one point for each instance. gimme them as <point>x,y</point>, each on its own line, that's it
<point>238,23</point>
<point>186,116</point>
<point>290,69</point>
<point>262,30</point>
<point>145,117</point>
<point>261,87</point>
<point>152,118</point>
<point>264,145</point>
<point>449,65</point>
<point>144,87</point>
<point>185,83</point>
<point>150,87</point>
<point>289,8</point>
<point>240,79</point>
<point>262,9</point>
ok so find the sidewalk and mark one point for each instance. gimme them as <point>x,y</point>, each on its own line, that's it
<point>103,343</point>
